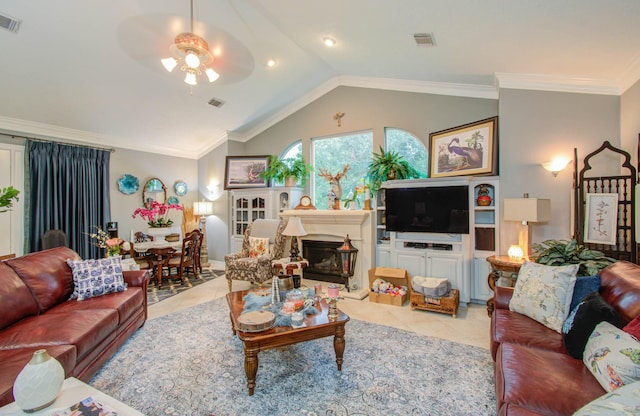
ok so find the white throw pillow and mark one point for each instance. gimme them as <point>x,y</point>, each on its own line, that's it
<point>544,293</point>
<point>612,356</point>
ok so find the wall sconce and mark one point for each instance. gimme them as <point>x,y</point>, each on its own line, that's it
<point>556,165</point>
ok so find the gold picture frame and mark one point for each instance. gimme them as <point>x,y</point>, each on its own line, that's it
<point>470,149</point>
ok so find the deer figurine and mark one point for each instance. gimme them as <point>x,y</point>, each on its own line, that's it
<point>334,181</point>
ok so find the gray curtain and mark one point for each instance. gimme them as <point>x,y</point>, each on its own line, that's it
<point>68,191</point>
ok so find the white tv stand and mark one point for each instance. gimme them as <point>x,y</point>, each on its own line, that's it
<point>454,256</point>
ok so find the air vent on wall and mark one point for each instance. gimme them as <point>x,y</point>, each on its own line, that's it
<point>9,23</point>
<point>424,39</point>
<point>216,102</point>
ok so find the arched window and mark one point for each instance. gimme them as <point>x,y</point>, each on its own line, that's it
<point>291,151</point>
<point>408,146</point>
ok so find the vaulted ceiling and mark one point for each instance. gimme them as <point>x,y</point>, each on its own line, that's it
<point>90,71</point>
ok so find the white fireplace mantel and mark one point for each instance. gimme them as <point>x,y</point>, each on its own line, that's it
<point>335,225</point>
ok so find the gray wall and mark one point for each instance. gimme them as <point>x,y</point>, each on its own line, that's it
<point>211,169</point>
<point>145,166</point>
<point>536,126</point>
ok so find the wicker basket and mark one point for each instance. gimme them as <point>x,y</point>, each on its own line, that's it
<point>172,238</point>
<point>448,304</point>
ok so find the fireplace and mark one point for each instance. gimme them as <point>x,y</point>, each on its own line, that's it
<point>324,261</point>
<point>331,227</point>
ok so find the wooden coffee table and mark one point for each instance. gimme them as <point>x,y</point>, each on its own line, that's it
<point>317,326</point>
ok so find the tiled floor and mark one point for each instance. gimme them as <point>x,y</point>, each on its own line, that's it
<point>471,326</point>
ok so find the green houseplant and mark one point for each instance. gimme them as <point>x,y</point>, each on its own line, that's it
<point>563,252</point>
<point>288,171</point>
<point>389,165</point>
<point>8,196</point>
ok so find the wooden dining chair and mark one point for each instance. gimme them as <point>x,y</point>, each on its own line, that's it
<point>188,256</point>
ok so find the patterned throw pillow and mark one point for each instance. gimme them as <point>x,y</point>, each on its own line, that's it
<point>612,356</point>
<point>93,278</point>
<point>543,293</point>
<point>624,401</point>
<point>258,246</point>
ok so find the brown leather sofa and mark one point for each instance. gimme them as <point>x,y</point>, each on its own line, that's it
<point>35,313</point>
<point>534,374</point>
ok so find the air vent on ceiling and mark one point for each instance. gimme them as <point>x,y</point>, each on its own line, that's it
<point>424,39</point>
<point>216,102</point>
<point>9,23</point>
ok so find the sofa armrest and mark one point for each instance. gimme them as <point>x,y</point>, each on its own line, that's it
<point>136,278</point>
<point>502,296</point>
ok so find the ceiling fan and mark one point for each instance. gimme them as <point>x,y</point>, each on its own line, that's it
<point>192,54</point>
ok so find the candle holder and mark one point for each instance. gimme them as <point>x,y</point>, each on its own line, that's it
<point>332,315</point>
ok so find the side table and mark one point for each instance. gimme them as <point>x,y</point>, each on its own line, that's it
<point>73,391</point>
<point>501,266</point>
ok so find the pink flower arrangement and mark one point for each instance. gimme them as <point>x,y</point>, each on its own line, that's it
<point>157,214</point>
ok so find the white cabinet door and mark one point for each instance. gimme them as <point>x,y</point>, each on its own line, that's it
<point>383,256</point>
<point>480,288</point>
<point>413,261</point>
<point>449,265</point>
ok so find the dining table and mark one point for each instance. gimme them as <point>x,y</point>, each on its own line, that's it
<point>162,250</point>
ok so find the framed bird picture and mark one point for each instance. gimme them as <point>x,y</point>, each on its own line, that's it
<point>470,149</point>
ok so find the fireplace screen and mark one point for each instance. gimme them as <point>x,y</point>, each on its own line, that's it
<point>324,261</point>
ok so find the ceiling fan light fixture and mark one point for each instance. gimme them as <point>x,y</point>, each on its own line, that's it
<point>169,63</point>
<point>192,60</point>
<point>190,78</point>
<point>271,62</point>
<point>192,53</point>
<point>329,42</point>
<point>211,74</point>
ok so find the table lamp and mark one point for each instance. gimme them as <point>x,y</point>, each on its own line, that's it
<point>202,210</point>
<point>294,229</point>
<point>526,210</point>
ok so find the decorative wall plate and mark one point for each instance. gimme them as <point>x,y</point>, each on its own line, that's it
<point>128,184</point>
<point>173,200</point>
<point>181,188</point>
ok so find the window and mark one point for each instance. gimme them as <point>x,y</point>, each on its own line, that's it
<point>293,150</point>
<point>409,147</point>
<point>332,154</point>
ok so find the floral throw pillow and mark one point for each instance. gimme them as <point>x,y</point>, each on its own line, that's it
<point>93,278</point>
<point>612,356</point>
<point>625,401</point>
<point>258,246</point>
<point>543,293</point>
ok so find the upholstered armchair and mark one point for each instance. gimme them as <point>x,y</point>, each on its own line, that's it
<point>251,264</point>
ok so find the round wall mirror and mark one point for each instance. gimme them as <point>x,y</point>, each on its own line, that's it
<point>154,190</point>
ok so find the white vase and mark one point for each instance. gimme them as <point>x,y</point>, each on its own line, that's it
<point>39,382</point>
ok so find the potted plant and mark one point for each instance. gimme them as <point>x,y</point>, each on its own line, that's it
<point>8,196</point>
<point>289,171</point>
<point>389,165</point>
<point>562,252</point>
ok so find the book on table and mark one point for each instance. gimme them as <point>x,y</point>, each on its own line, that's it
<point>87,407</point>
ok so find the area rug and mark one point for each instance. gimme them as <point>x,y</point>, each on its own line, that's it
<point>189,363</point>
<point>171,287</point>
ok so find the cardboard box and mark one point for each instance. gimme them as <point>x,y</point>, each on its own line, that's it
<point>397,277</point>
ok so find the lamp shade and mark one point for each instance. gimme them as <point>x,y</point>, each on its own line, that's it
<point>527,209</point>
<point>294,228</point>
<point>202,208</point>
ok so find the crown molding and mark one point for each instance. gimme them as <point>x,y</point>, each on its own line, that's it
<point>223,138</point>
<point>439,88</point>
<point>71,136</point>
<point>539,82</point>
<point>631,75</point>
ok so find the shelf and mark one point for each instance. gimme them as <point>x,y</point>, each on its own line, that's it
<point>481,225</point>
<point>484,208</point>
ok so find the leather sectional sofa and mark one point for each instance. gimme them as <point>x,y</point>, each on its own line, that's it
<point>534,374</point>
<point>35,313</point>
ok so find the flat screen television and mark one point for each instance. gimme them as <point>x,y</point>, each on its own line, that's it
<point>435,209</point>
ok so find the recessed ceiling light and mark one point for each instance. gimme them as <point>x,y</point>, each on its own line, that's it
<point>329,42</point>
<point>271,62</point>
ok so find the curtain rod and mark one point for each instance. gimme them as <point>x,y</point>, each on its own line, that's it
<point>15,136</point>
